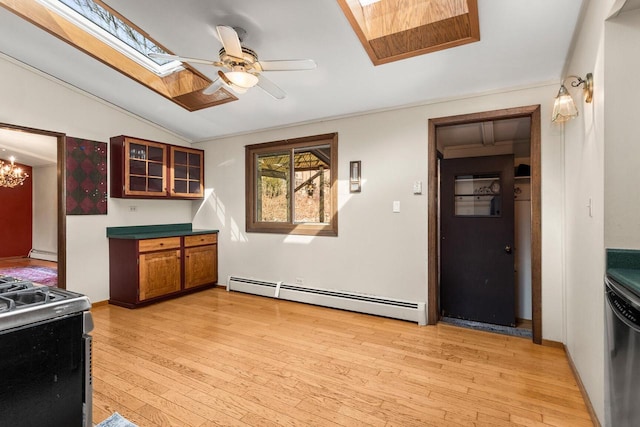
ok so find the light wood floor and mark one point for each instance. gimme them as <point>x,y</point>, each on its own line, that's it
<point>26,262</point>
<point>218,358</point>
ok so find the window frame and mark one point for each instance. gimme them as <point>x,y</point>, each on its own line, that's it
<point>290,227</point>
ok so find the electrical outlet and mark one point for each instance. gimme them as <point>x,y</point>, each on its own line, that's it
<point>299,281</point>
<point>133,208</point>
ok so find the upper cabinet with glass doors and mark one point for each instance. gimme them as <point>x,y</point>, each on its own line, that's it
<point>186,172</point>
<point>149,169</point>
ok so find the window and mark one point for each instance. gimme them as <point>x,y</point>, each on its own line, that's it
<point>478,195</point>
<point>292,186</point>
<point>100,31</point>
<point>97,20</point>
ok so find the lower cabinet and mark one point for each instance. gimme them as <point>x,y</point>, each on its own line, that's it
<point>144,270</point>
<point>200,260</point>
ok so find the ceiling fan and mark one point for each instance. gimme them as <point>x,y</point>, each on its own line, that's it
<point>242,69</point>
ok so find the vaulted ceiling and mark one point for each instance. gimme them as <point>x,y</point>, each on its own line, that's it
<point>521,43</point>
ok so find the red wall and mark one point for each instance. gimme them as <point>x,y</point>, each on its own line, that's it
<point>16,216</point>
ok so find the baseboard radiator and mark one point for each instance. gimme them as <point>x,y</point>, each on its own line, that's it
<point>45,255</point>
<point>361,303</point>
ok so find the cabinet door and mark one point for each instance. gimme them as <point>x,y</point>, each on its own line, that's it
<point>145,168</point>
<point>187,173</point>
<point>159,273</point>
<point>200,265</point>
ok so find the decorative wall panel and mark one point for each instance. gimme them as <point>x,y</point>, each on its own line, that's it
<point>86,177</point>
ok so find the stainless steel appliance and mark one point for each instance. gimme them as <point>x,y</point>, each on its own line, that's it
<point>623,354</point>
<point>45,356</point>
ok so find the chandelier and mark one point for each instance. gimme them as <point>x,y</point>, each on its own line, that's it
<point>10,175</point>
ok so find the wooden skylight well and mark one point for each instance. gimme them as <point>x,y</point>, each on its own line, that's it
<point>391,30</point>
<point>64,19</point>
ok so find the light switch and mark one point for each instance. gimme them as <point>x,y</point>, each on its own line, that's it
<point>396,206</point>
<point>417,187</point>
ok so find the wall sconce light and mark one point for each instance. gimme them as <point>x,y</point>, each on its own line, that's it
<point>355,172</point>
<point>564,108</point>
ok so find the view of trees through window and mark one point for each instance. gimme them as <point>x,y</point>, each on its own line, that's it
<point>312,182</point>
<point>291,186</point>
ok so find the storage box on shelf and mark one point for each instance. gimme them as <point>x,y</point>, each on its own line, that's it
<point>151,263</point>
<point>149,169</point>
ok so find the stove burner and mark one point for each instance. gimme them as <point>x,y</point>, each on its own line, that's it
<point>25,297</point>
<point>11,284</point>
<point>6,305</point>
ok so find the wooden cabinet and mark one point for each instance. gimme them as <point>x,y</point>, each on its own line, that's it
<point>159,268</point>
<point>186,175</point>
<point>149,169</point>
<point>200,260</point>
<point>143,270</point>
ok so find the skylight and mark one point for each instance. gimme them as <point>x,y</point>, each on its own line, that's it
<point>106,26</point>
<point>392,30</point>
<point>176,81</point>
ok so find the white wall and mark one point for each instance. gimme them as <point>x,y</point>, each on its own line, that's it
<point>377,251</point>
<point>34,100</point>
<point>45,207</point>
<point>584,148</point>
<point>622,148</point>
<point>622,153</point>
<point>522,243</point>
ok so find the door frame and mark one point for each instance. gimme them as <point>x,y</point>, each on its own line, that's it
<point>61,199</point>
<point>533,112</point>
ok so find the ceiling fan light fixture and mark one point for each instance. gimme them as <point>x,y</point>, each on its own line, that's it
<point>227,82</point>
<point>242,79</point>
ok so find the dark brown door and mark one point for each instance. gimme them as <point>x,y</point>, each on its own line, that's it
<point>477,233</point>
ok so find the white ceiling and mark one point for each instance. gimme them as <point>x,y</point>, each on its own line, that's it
<point>522,43</point>
<point>28,148</point>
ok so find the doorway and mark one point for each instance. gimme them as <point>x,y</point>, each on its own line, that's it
<point>435,155</point>
<point>28,136</point>
<point>477,239</point>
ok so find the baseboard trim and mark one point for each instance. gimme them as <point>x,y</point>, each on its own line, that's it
<point>550,343</point>
<point>99,303</point>
<point>583,391</point>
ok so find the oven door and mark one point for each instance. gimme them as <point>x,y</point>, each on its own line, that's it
<point>42,373</point>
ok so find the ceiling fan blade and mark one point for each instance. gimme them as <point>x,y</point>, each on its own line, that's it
<point>270,87</point>
<point>182,58</point>
<point>288,65</point>
<point>230,41</point>
<point>213,87</point>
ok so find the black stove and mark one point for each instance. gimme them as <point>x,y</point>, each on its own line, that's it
<point>45,356</point>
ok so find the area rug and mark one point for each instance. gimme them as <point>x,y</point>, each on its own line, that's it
<point>116,420</point>
<point>42,275</point>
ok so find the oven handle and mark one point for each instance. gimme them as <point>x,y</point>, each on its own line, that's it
<point>617,290</point>
<point>625,294</point>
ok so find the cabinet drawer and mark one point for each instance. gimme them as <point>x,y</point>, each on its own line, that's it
<point>200,239</point>
<point>149,245</point>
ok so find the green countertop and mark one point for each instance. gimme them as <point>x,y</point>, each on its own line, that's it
<point>138,232</point>
<point>623,266</point>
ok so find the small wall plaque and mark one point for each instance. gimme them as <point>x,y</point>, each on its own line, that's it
<point>355,172</point>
